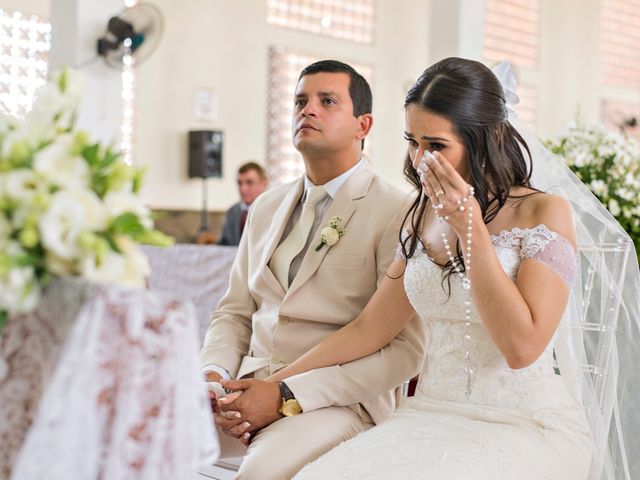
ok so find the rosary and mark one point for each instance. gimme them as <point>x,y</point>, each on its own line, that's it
<point>462,205</point>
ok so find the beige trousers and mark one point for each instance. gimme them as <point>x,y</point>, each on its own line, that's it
<point>280,450</point>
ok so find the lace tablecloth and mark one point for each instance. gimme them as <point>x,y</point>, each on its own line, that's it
<point>199,273</point>
<point>103,383</point>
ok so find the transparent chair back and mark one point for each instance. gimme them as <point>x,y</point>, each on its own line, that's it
<point>601,300</point>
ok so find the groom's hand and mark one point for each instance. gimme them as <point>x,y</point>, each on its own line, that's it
<point>258,404</point>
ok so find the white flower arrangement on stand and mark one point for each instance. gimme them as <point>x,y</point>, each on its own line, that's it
<point>68,206</point>
<point>609,165</point>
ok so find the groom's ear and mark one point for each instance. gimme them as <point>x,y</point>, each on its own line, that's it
<point>365,122</point>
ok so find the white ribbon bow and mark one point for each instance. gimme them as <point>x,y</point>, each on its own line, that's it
<point>508,81</point>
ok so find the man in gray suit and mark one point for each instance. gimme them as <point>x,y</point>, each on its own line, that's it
<point>252,181</point>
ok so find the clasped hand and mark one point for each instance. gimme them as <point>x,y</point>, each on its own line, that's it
<point>251,405</point>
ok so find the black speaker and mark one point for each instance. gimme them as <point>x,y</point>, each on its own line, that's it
<point>205,153</point>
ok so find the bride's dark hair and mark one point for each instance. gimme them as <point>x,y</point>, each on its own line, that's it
<point>470,96</point>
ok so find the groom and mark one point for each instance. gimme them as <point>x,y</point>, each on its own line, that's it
<point>289,289</point>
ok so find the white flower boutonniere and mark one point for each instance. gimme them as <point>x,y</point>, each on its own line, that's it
<point>332,233</point>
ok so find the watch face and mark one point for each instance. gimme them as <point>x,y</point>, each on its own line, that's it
<point>290,408</point>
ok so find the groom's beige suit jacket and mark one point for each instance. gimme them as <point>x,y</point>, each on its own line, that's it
<point>260,328</point>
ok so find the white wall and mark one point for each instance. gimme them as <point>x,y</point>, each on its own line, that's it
<point>207,43</point>
<point>223,45</point>
<point>29,7</point>
<point>76,26</point>
<point>569,77</point>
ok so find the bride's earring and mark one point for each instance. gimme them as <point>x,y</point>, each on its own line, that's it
<point>484,164</point>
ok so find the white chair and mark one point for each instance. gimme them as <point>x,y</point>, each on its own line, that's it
<point>603,295</point>
<point>601,299</point>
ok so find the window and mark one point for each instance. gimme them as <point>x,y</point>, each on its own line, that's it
<point>619,37</point>
<point>526,109</point>
<point>619,40</point>
<point>283,160</point>
<point>512,31</point>
<point>345,19</point>
<point>617,115</point>
<point>127,93</point>
<point>25,42</point>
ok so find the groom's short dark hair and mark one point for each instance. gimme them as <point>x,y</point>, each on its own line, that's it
<point>359,88</point>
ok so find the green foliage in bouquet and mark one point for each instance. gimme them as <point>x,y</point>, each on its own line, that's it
<point>68,206</point>
<point>609,165</point>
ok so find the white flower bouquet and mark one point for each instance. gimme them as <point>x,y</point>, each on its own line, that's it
<point>68,207</point>
<point>609,165</point>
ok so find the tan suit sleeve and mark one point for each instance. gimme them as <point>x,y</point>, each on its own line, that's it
<point>368,377</point>
<point>228,336</point>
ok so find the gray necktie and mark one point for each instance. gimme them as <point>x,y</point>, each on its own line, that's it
<point>297,238</point>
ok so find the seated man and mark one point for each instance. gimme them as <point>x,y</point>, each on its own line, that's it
<point>291,286</point>
<point>252,181</point>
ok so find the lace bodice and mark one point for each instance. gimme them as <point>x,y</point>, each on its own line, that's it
<point>494,383</point>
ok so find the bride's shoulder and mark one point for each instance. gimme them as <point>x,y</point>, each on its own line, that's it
<point>552,211</point>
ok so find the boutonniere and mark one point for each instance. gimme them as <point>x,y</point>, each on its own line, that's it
<point>330,234</point>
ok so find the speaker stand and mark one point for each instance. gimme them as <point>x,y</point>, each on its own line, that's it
<point>204,236</point>
<point>204,219</point>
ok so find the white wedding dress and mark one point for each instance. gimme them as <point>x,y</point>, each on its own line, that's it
<point>516,425</point>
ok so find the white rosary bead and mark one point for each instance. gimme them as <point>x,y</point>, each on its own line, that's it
<point>464,277</point>
<point>465,280</point>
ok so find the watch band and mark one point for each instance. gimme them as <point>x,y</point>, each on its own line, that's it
<point>285,393</point>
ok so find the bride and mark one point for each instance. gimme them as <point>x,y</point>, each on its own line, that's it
<point>488,262</point>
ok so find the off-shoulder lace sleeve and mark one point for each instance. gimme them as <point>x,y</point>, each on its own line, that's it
<point>553,250</point>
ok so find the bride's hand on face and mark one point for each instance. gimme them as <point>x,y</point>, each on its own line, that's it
<point>447,191</point>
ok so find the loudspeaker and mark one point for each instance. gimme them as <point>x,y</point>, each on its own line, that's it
<point>205,153</point>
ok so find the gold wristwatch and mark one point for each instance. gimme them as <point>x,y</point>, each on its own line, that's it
<point>289,406</point>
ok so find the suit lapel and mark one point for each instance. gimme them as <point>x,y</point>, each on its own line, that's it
<point>344,206</point>
<point>274,234</point>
